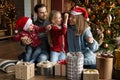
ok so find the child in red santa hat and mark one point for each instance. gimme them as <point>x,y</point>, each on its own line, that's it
<point>80,38</point>
<point>57,33</point>
<point>25,29</point>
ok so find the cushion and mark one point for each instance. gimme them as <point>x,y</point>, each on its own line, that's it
<point>7,66</point>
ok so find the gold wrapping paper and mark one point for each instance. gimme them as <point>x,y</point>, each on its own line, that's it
<point>24,70</point>
<point>90,74</point>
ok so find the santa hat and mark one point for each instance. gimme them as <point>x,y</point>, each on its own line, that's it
<point>80,10</point>
<point>23,23</point>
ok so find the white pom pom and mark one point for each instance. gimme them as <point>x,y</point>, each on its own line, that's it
<point>88,19</point>
<point>16,31</point>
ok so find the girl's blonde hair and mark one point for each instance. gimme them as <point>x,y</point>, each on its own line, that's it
<point>81,24</point>
<point>53,14</point>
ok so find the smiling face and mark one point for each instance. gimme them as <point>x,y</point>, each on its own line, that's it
<point>72,20</point>
<point>55,17</point>
<point>42,13</point>
<point>30,28</point>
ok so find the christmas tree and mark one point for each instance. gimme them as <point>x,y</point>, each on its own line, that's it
<point>104,21</point>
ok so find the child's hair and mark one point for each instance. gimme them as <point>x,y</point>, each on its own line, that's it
<point>53,14</point>
<point>81,24</point>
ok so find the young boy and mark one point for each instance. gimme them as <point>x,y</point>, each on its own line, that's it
<point>29,31</point>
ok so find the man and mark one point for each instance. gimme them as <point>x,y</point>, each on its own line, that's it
<point>42,14</point>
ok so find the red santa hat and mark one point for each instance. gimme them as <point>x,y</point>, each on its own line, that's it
<point>80,10</point>
<point>23,23</point>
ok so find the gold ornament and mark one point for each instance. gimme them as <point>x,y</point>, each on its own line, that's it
<point>88,10</point>
<point>106,45</point>
<point>93,17</point>
<point>118,11</point>
<point>108,32</point>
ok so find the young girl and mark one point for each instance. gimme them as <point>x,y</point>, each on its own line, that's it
<point>57,36</point>
<point>30,32</point>
<point>79,36</point>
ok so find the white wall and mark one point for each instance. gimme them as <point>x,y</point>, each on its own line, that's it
<point>27,8</point>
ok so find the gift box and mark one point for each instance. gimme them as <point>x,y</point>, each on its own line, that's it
<point>104,64</point>
<point>45,68</point>
<point>60,68</point>
<point>117,59</point>
<point>91,74</point>
<point>24,70</point>
<point>75,62</point>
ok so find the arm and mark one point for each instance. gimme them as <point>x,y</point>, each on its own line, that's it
<point>39,29</point>
<point>25,40</point>
<point>59,31</point>
<point>42,29</point>
<point>17,37</point>
<point>91,42</point>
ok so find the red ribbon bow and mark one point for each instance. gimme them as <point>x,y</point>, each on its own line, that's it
<point>62,62</point>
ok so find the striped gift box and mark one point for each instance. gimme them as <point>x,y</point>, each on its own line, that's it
<point>74,65</point>
<point>60,68</point>
<point>45,68</point>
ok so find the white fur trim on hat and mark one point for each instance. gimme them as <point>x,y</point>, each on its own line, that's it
<point>28,23</point>
<point>76,13</point>
<point>16,31</point>
<point>88,19</point>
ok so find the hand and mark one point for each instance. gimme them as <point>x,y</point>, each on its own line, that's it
<point>66,15</point>
<point>48,27</point>
<point>26,40</point>
<point>51,45</point>
<point>90,39</point>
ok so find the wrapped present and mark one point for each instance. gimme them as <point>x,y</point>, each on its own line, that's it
<point>45,68</point>
<point>117,59</point>
<point>74,65</point>
<point>104,64</point>
<point>60,68</point>
<point>24,70</point>
<point>91,74</point>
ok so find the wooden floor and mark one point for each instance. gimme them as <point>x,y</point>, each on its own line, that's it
<point>10,49</point>
<point>4,76</point>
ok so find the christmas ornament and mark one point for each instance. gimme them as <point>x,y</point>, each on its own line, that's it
<point>109,19</point>
<point>108,32</point>
<point>88,10</point>
<point>118,12</point>
<point>93,17</point>
<point>105,45</point>
<point>100,36</point>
